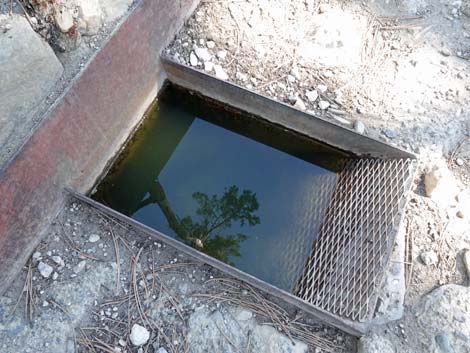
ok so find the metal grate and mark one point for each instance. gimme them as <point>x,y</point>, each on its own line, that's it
<point>348,259</point>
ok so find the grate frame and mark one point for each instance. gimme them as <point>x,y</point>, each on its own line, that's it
<point>348,260</point>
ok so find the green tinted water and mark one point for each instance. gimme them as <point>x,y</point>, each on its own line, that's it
<point>241,190</point>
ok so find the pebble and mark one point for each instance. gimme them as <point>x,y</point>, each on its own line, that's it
<point>208,66</point>
<point>390,133</point>
<point>64,20</point>
<point>193,59</point>
<point>94,238</point>
<point>122,343</point>
<point>58,260</point>
<point>55,276</point>
<point>460,214</point>
<point>443,342</point>
<point>312,96</point>
<point>221,54</point>
<point>429,258</point>
<point>322,88</point>
<point>445,52</point>
<point>295,72</point>
<point>139,335</point>
<point>359,127</point>
<point>162,350</point>
<point>290,78</point>
<point>459,162</point>
<point>203,54</point>
<point>79,267</point>
<point>44,269</point>
<point>220,72</point>
<point>37,255</point>
<point>299,104</point>
<point>323,105</point>
<point>241,76</point>
<point>210,44</point>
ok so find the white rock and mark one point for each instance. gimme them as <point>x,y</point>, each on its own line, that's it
<point>299,104</point>
<point>312,96</point>
<point>90,12</point>
<point>55,275</point>
<point>429,258</point>
<point>210,44</point>
<point>162,350</point>
<point>36,255</point>
<point>203,54</point>
<point>220,73</point>
<point>114,9</point>
<point>241,76</point>
<point>63,19</point>
<point>139,335</point>
<point>322,88</point>
<point>439,184</point>
<point>323,105</point>
<point>44,269</point>
<point>208,66</point>
<point>58,260</point>
<point>193,59</point>
<point>359,127</point>
<point>459,162</point>
<point>296,73</point>
<point>221,54</point>
<point>79,267</point>
<point>94,238</point>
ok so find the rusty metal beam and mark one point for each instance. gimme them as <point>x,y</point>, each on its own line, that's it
<point>85,128</point>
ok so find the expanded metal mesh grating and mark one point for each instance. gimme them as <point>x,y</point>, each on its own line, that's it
<point>355,239</point>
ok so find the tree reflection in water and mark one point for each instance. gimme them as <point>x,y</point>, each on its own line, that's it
<point>210,232</point>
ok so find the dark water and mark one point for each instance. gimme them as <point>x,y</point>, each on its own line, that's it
<point>194,172</point>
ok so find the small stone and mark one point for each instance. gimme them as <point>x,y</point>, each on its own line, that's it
<point>221,54</point>
<point>460,214</point>
<point>64,20</point>
<point>44,269</point>
<point>193,59</point>
<point>443,342</point>
<point>94,238</point>
<point>220,72</point>
<point>391,134</point>
<point>210,44</point>
<point>45,303</point>
<point>445,52</point>
<point>312,96</point>
<point>162,350</point>
<point>58,260</point>
<point>429,258</point>
<point>439,184</point>
<point>122,343</point>
<point>299,104</point>
<point>323,105</point>
<point>208,66</point>
<point>459,162</point>
<point>79,267</point>
<point>359,127</point>
<point>241,76</point>
<point>322,88</point>
<point>139,335</point>
<point>203,54</point>
<point>55,275</point>
<point>296,73</point>
<point>290,78</point>
<point>37,255</point>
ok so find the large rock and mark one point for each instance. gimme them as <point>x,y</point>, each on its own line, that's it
<point>443,317</point>
<point>440,184</point>
<point>28,71</point>
<point>114,9</point>
<point>236,330</point>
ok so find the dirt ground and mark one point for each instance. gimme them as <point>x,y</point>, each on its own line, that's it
<point>103,277</point>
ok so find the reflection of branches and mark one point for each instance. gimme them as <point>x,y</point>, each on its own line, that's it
<point>216,215</point>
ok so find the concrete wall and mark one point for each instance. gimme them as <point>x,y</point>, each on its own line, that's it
<point>85,128</point>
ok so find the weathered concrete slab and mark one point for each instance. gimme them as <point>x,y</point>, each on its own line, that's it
<point>28,71</point>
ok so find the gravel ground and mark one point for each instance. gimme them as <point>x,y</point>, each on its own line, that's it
<point>92,279</point>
